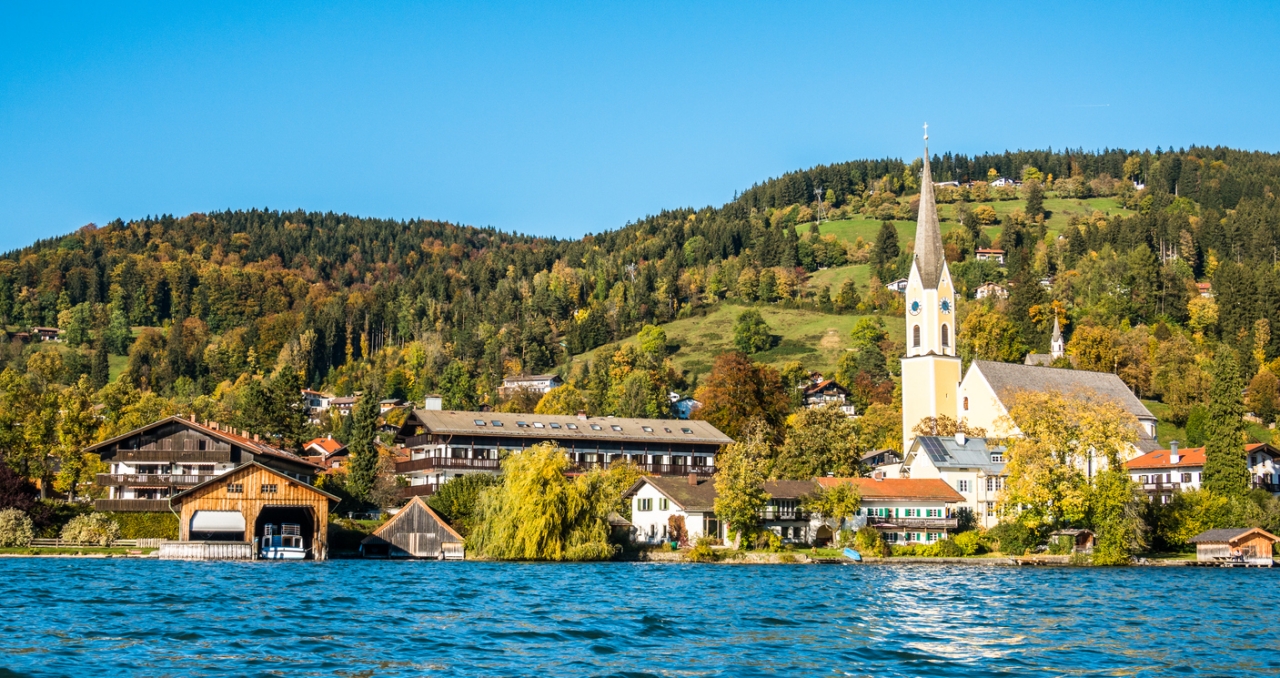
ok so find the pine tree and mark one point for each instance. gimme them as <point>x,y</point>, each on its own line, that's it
<point>885,253</point>
<point>1035,200</point>
<point>363,468</point>
<point>100,373</point>
<point>1226,470</point>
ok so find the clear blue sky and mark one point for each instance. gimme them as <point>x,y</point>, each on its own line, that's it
<point>579,117</point>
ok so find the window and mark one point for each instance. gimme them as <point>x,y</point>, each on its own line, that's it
<point>522,424</point>
<point>991,484</point>
<point>966,403</point>
<point>946,337</point>
<point>269,489</point>
<point>595,427</point>
<point>644,504</point>
<point>573,427</point>
<point>497,423</point>
<point>538,424</point>
<point>479,422</point>
<point>664,504</point>
<point>997,457</point>
<point>647,429</point>
<point>962,486</point>
<point>616,427</point>
<point>555,425</point>
<point>915,336</point>
<point>687,431</point>
<point>991,508</point>
<point>1186,477</point>
<point>235,488</point>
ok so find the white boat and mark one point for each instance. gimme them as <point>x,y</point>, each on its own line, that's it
<point>282,543</point>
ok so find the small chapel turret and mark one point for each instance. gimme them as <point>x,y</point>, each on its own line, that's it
<point>931,368</point>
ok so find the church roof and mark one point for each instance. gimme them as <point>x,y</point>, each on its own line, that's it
<point>1007,379</point>
<point>930,258</point>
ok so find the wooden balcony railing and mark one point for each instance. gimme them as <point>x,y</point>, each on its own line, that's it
<point>178,456</point>
<point>655,469</point>
<point>917,523</point>
<point>775,513</point>
<point>410,491</point>
<point>430,463</point>
<point>150,479</point>
<point>131,505</point>
<point>418,440</point>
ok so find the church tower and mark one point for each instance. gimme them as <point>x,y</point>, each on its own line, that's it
<point>1057,347</point>
<point>931,368</point>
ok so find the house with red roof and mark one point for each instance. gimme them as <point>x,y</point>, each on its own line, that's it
<point>326,452</point>
<point>905,510</point>
<point>1161,473</point>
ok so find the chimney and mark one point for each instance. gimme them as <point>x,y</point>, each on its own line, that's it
<point>1174,457</point>
<point>693,479</point>
<point>960,439</point>
<point>582,414</point>
<point>193,417</point>
<point>877,475</point>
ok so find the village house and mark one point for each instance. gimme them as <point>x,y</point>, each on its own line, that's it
<point>536,383</point>
<point>1242,545</point>
<point>344,404</point>
<point>415,531</point>
<point>683,407</point>
<point>271,514</point>
<point>1162,473</point>
<point>972,467</point>
<point>1205,289</point>
<point>326,452</point>
<point>992,290</point>
<point>317,403</point>
<point>46,333</point>
<point>828,392</point>
<point>446,444</point>
<point>899,286</point>
<point>655,500</point>
<point>150,464</point>
<point>904,510</point>
<point>985,254</point>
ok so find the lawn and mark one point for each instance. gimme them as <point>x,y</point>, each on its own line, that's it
<point>815,339</point>
<point>1167,431</point>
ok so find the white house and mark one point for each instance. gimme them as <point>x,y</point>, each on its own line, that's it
<point>971,467</point>
<point>656,499</point>
<point>828,392</point>
<point>987,254</point>
<point>904,511</point>
<point>990,289</point>
<point>1162,473</point>
<point>536,383</point>
<point>899,285</point>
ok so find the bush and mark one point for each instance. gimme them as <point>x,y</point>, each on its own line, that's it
<point>905,551</point>
<point>1062,545</point>
<point>945,548</point>
<point>702,552</point>
<point>870,542</point>
<point>16,529</point>
<point>846,539</point>
<point>1013,539</point>
<point>93,529</point>
<point>972,543</point>
<point>146,524</point>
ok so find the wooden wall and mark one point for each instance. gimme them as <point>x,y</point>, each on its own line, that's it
<point>418,531</point>
<point>251,502</point>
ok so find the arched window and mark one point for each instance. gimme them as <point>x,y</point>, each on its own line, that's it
<point>915,336</point>
<point>946,337</point>
<point>966,403</point>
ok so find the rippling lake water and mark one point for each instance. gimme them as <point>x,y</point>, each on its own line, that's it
<point>352,618</point>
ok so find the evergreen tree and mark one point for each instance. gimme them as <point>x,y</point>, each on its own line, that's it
<point>100,372</point>
<point>886,251</point>
<point>362,470</point>
<point>1226,470</point>
<point>1035,200</point>
<point>847,299</point>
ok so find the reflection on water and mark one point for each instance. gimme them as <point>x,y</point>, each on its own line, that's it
<point>105,617</point>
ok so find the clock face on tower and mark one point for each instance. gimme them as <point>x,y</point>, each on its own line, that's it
<point>915,307</point>
<point>946,306</point>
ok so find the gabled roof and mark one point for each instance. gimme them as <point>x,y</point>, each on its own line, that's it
<point>328,445</point>
<point>910,489</point>
<point>1191,456</point>
<point>241,469</point>
<point>930,258</point>
<point>250,445</point>
<point>1006,379</point>
<point>692,498</point>
<point>1230,535</point>
<point>416,501</point>
<point>945,452</point>
<point>824,385</point>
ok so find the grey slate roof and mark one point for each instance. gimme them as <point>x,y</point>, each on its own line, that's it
<point>930,257</point>
<point>946,453</point>
<point>539,427</point>
<point>691,498</point>
<point>1009,378</point>
<point>1222,535</point>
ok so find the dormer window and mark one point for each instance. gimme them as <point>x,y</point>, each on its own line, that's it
<point>596,427</point>
<point>479,422</point>
<point>997,458</point>
<point>616,427</point>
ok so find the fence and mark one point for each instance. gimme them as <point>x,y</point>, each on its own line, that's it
<point>121,543</point>
<point>206,550</point>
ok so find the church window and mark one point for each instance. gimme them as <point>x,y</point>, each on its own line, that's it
<point>966,403</point>
<point>915,336</point>
<point>946,337</point>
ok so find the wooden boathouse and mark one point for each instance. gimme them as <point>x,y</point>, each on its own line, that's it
<point>1240,546</point>
<point>414,532</point>
<point>235,507</point>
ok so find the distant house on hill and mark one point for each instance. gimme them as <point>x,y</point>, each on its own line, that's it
<point>536,383</point>
<point>344,404</point>
<point>985,254</point>
<point>828,392</point>
<point>899,285</point>
<point>1205,289</point>
<point>46,333</point>
<point>990,289</point>
<point>326,452</point>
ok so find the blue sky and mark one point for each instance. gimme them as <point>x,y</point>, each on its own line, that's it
<point>574,118</point>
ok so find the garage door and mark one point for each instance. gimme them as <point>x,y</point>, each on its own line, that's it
<point>217,521</point>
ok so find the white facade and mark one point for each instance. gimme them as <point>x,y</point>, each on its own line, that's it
<point>975,473</point>
<point>164,474</point>
<point>651,513</point>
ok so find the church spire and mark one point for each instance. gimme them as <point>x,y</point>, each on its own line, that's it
<point>930,257</point>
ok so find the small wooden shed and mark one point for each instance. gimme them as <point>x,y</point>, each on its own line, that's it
<point>1082,539</point>
<point>1248,545</point>
<point>235,506</point>
<point>415,531</point>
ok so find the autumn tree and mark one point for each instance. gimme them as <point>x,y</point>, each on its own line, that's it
<point>738,391</point>
<point>1264,395</point>
<point>740,475</point>
<point>987,334</point>
<point>1226,469</point>
<point>563,400</point>
<point>834,504</point>
<point>819,441</point>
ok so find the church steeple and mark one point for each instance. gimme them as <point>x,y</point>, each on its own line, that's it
<point>1057,347</point>
<point>930,257</point>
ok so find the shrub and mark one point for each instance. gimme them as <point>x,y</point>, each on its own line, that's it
<point>905,551</point>
<point>1013,538</point>
<point>1062,545</point>
<point>702,552</point>
<point>972,543</point>
<point>93,529</point>
<point>16,529</point>
<point>870,542</point>
<point>846,539</point>
<point>945,548</point>
<point>146,524</point>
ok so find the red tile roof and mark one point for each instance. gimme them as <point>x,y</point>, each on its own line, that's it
<point>1192,456</point>
<point>920,489</point>
<point>329,445</point>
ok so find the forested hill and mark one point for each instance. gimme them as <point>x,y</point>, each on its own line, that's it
<point>200,300</point>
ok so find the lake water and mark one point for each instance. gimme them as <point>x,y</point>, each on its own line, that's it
<point>350,618</point>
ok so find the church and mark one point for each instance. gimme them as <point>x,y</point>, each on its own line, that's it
<point>932,383</point>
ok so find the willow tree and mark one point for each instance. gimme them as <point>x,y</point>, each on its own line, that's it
<point>538,513</point>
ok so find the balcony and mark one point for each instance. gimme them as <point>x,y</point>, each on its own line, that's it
<point>1161,487</point>
<point>654,469</point>
<point>418,440</point>
<point>131,505</point>
<point>431,463</point>
<point>411,491</point>
<point>914,523</point>
<point>776,513</point>
<point>151,480</point>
